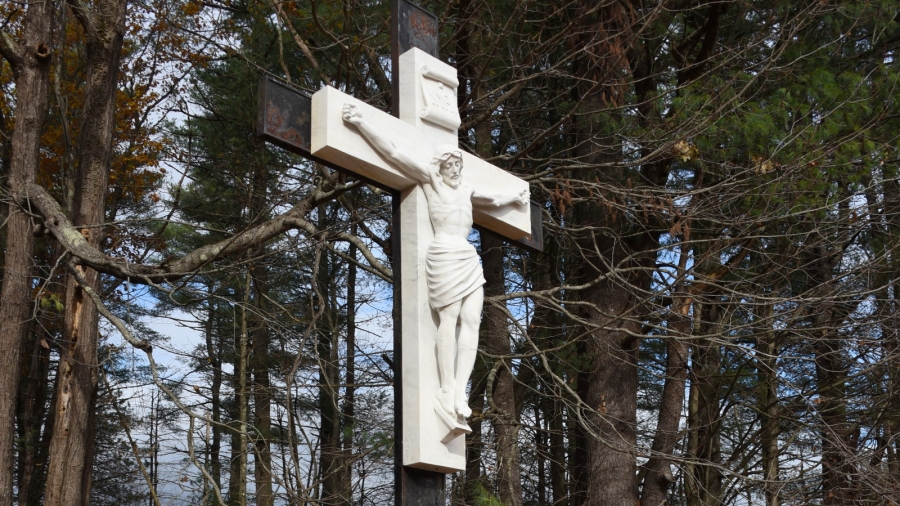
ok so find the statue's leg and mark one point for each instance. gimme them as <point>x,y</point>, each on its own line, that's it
<point>467,347</point>
<point>446,352</point>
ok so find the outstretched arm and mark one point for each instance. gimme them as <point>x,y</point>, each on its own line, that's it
<point>482,198</point>
<point>385,146</point>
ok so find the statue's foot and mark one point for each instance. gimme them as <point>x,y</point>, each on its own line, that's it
<point>462,408</point>
<point>445,400</point>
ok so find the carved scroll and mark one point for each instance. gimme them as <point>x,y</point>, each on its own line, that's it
<point>439,92</point>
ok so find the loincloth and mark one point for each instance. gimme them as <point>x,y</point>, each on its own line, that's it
<point>453,271</point>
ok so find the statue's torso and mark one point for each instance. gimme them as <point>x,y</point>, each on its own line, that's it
<point>450,210</point>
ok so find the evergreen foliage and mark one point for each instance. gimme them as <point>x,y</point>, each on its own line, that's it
<point>713,319</point>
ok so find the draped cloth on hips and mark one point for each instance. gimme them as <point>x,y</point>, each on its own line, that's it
<point>452,269</point>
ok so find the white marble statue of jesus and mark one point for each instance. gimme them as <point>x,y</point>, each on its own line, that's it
<point>454,273</point>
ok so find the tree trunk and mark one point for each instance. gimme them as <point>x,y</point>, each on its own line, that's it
<point>767,360</point>
<point>837,445</point>
<point>262,397</point>
<point>71,449</point>
<point>236,481</point>
<point>558,453</point>
<point>503,412</point>
<point>334,476</point>
<point>658,469</point>
<point>349,410</point>
<point>704,478</point>
<point>262,401</point>
<point>608,382</point>
<point>31,416</point>
<point>214,347</point>
<point>838,472</point>
<point>611,397</point>
<point>30,61</point>
<point>474,479</point>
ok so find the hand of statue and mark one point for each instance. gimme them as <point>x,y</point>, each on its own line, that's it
<point>351,114</point>
<point>523,197</point>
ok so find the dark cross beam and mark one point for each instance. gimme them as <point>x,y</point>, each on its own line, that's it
<point>284,119</point>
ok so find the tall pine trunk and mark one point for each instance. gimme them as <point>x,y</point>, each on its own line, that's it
<point>260,335</point>
<point>503,411</point>
<point>658,469</point>
<point>835,430</point>
<point>767,360</point>
<point>703,474</point>
<point>214,346</point>
<point>608,383</point>
<point>262,401</point>
<point>332,466</point>
<point>71,449</point>
<point>31,413</point>
<point>610,392</point>
<point>29,59</point>
<point>349,408</point>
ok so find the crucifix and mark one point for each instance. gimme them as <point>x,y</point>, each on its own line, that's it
<point>439,191</point>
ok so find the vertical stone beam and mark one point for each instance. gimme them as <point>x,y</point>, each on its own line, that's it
<point>411,486</point>
<point>422,429</point>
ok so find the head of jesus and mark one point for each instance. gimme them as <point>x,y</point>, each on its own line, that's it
<point>450,165</point>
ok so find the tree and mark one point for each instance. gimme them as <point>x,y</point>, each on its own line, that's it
<point>28,54</point>
<point>711,321</point>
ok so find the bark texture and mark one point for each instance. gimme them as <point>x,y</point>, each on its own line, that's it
<point>767,355</point>
<point>71,448</point>
<point>839,475</point>
<point>333,467</point>
<point>68,235</point>
<point>29,59</point>
<point>32,407</point>
<point>503,410</point>
<point>704,477</point>
<point>659,475</point>
<point>607,383</point>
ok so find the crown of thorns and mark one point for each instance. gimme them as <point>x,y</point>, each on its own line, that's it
<point>445,152</point>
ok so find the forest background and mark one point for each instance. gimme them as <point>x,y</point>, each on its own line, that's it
<point>713,320</point>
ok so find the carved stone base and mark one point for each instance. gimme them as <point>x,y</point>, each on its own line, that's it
<point>455,423</point>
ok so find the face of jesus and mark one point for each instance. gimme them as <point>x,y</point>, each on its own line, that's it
<point>450,171</point>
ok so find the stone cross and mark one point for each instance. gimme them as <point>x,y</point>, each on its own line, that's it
<point>411,154</point>
<point>429,441</point>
